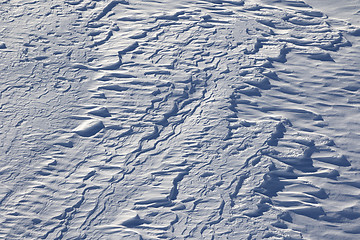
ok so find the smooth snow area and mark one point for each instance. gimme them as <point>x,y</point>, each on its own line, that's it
<point>164,119</point>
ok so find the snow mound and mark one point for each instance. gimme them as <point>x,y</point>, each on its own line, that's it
<point>89,128</point>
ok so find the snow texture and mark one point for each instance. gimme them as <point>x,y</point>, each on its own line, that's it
<point>207,119</point>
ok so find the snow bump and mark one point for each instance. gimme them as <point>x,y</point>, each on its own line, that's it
<point>89,128</point>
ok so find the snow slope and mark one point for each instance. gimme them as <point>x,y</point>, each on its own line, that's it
<point>209,119</point>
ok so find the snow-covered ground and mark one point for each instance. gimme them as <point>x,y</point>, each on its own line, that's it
<point>164,119</point>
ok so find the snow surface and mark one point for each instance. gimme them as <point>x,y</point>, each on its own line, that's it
<point>163,119</point>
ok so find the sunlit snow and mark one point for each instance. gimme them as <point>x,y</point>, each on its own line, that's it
<point>187,119</point>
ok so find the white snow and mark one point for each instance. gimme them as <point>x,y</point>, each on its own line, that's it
<point>209,119</point>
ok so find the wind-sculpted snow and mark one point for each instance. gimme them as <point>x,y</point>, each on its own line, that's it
<point>212,119</point>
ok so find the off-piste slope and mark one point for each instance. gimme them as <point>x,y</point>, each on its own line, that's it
<point>178,120</point>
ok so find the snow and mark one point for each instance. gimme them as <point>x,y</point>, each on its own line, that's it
<point>89,128</point>
<point>209,119</point>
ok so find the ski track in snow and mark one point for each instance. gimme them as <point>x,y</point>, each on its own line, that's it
<point>211,119</point>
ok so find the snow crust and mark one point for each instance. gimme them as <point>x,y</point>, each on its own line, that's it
<point>208,119</point>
